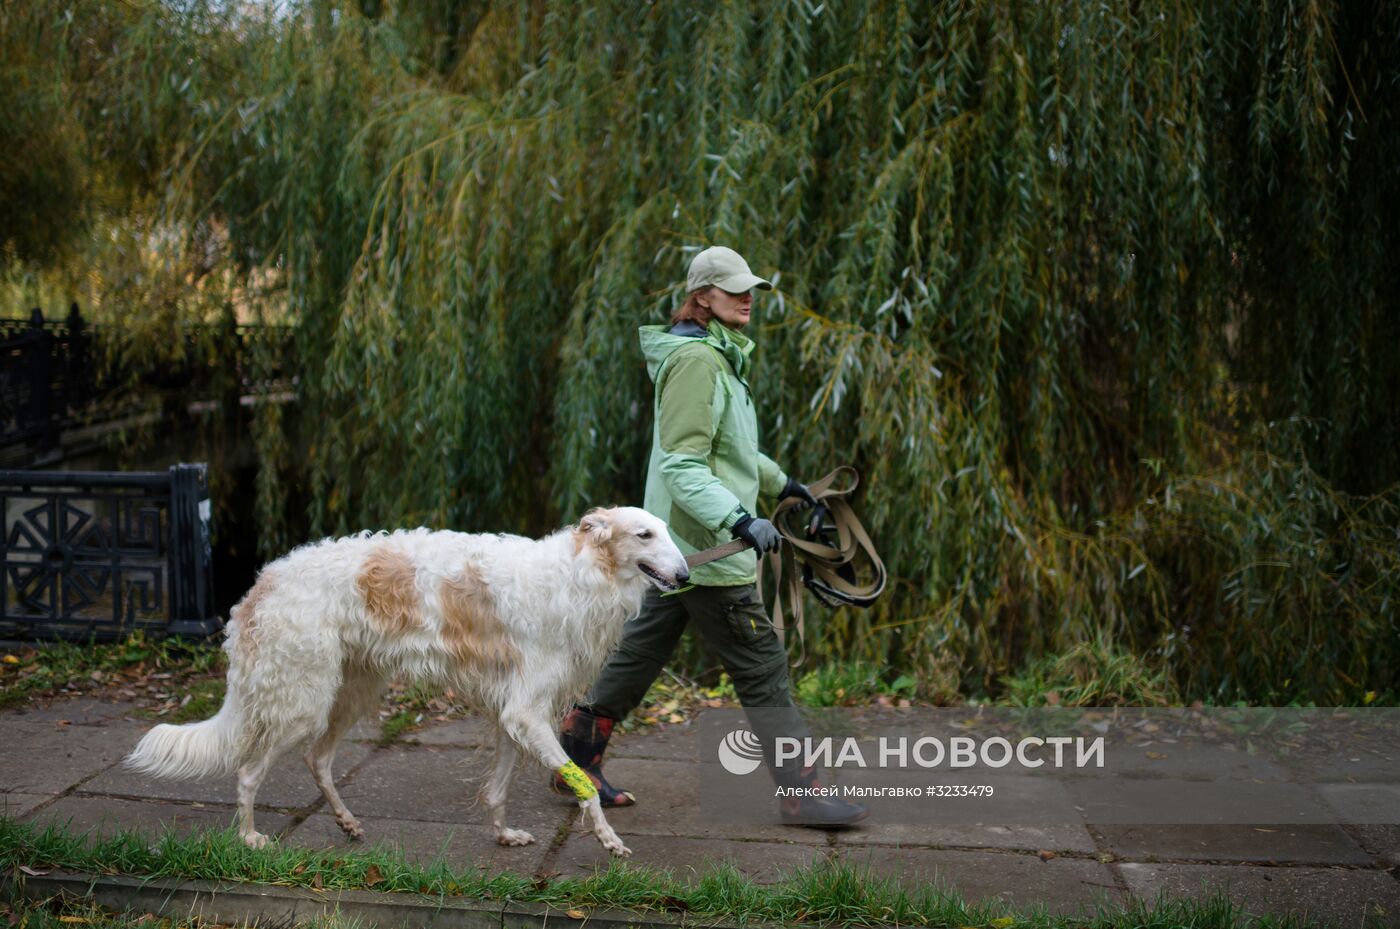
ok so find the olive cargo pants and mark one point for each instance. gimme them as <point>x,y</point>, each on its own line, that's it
<point>734,626</point>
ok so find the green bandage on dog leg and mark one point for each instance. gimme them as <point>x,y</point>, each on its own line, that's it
<point>578,782</point>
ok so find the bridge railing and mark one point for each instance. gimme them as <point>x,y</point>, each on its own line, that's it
<point>46,374</point>
<point>103,554</point>
<point>54,372</point>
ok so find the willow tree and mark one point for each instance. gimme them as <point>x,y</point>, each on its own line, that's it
<point>1096,296</point>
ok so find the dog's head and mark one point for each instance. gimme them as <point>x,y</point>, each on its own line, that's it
<point>629,543</point>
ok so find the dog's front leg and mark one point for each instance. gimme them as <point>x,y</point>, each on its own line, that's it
<point>537,737</point>
<point>494,794</point>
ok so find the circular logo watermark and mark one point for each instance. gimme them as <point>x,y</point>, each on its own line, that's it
<point>740,752</point>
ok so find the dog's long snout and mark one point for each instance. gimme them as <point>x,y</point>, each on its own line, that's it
<point>683,574</point>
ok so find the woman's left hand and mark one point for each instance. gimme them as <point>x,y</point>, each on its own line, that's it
<point>795,488</point>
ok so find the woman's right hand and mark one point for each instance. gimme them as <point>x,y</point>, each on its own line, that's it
<point>758,532</point>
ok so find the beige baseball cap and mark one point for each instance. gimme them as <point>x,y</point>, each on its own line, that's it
<point>723,268</point>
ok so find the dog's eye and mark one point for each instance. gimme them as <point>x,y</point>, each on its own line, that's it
<point>644,534</point>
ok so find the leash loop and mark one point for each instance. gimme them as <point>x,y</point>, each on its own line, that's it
<point>828,551</point>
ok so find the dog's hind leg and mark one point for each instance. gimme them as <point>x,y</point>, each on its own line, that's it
<point>250,776</point>
<point>537,737</point>
<point>494,794</point>
<point>359,691</point>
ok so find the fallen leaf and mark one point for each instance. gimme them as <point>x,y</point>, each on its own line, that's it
<point>373,876</point>
<point>32,872</point>
<point>1003,922</point>
<point>1045,854</point>
<point>11,659</point>
<point>316,883</point>
<point>1052,697</point>
<point>74,919</point>
<point>575,914</point>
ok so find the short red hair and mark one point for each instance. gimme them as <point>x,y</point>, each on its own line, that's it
<point>693,310</point>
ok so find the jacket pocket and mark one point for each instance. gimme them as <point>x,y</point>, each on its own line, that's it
<point>747,619</point>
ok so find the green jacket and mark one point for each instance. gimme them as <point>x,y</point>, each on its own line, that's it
<point>705,463</point>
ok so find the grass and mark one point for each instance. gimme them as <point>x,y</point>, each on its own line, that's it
<point>1091,675</point>
<point>823,894</point>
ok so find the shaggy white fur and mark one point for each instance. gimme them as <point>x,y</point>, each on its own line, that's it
<point>518,626</point>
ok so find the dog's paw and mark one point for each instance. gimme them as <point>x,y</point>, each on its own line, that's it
<point>514,837</point>
<point>351,827</point>
<point>612,843</point>
<point>256,840</point>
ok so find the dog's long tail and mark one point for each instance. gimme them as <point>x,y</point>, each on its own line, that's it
<point>192,750</point>
<point>208,747</point>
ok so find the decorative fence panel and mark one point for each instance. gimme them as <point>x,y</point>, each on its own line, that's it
<point>102,554</point>
<point>45,375</point>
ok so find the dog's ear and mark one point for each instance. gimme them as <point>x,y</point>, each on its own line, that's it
<point>597,523</point>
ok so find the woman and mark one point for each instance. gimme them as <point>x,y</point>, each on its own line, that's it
<point>704,479</point>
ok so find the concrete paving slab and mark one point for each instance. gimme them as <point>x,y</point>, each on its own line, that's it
<point>669,743</point>
<point>1020,838</point>
<point>1363,803</point>
<point>1038,801</point>
<point>667,804</point>
<point>1380,840</point>
<point>462,846</point>
<point>1321,845</point>
<point>109,815</point>
<point>1136,801</point>
<point>44,757</point>
<point>1365,765</point>
<point>1062,885</point>
<point>473,730</point>
<point>688,859</point>
<point>288,783</point>
<point>431,784</point>
<point>18,805</point>
<point>1195,762</point>
<point>77,711</point>
<point>1341,896</point>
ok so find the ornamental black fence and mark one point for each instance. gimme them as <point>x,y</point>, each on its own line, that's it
<point>58,374</point>
<point>102,554</point>
<point>46,375</point>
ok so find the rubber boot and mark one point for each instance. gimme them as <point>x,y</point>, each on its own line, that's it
<point>584,737</point>
<point>819,812</point>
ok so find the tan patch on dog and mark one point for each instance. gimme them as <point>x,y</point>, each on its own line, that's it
<point>386,583</point>
<point>472,630</point>
<point>600,541</point>
<point>245,612</point>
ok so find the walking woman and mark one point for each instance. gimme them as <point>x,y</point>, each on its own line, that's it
<point>704,479</point>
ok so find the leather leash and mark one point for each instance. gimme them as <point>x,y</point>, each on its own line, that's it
<point>716,553</point>
<point>827,566</point>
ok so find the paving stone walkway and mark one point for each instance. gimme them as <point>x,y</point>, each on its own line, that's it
<point>60,763</point>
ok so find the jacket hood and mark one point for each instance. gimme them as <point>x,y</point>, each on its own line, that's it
<point>659,341</point>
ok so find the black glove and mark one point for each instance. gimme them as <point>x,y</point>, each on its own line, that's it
<point>758,532</point>
<point>795,488</point>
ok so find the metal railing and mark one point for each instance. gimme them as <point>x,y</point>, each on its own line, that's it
<point>50,376</point>
<point>102,554</point>
<point>46,375</point>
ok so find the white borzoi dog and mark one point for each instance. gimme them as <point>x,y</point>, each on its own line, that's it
<point>517,626</point>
